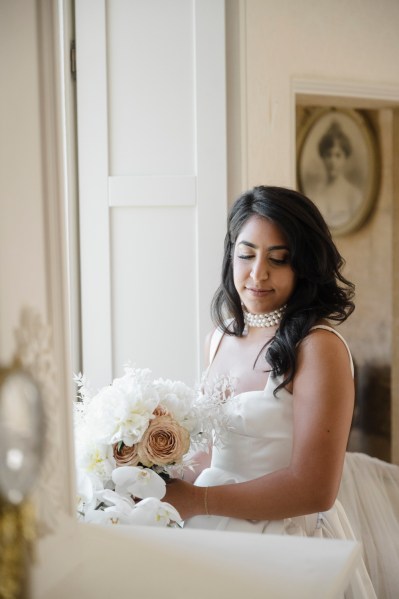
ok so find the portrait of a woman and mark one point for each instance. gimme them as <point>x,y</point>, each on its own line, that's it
<point>337,166</point>
<point>337,197</point>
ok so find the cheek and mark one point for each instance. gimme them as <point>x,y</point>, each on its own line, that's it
<point>288,281</point>
<point>293,282</point>
<point>239,271</point>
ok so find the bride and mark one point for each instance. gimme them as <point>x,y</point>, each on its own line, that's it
<point>277,466</point>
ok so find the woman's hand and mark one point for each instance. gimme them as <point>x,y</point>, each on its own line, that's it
<point>186,498</point>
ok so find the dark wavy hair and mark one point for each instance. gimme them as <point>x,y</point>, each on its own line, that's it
<point>321,291</point>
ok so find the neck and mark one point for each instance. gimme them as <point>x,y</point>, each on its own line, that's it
<point>268,319</point>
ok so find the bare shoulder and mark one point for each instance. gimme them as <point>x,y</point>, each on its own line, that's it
<point>325,349</point>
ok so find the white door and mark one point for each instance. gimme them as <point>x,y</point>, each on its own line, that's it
<point>152,173</point>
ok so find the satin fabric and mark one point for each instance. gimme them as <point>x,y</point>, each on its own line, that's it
<point>257,440</point>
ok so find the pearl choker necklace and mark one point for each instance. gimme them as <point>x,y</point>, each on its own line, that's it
<point>270,319</point>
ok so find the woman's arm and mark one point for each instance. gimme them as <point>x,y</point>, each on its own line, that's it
<point>323,399</point>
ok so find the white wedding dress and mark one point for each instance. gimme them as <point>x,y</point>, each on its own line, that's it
<point>257,440</point>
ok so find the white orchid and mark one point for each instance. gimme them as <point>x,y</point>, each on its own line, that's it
<point>153,512</point>
<point>139,482</point>
<point>119,510</point>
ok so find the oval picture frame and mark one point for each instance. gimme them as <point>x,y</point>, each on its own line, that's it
<point>338,166</point>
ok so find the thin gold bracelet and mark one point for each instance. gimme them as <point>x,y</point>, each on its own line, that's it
<point>206,501</point>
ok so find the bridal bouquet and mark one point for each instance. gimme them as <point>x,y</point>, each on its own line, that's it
<point>130,437</point>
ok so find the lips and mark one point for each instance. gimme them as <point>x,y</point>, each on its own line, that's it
<point>258,292</point>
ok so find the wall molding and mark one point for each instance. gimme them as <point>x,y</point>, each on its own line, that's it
<point>376,95</point>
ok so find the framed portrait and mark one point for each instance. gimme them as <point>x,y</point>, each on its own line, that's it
<point>338,166</point>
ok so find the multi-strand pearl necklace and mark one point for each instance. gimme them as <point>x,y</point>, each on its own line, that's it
<point>270,319</point>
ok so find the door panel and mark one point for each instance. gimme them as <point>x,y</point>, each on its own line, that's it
<point>152,170</point>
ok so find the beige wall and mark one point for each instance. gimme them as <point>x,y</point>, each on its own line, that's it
<point>32,249</point>
<point>368,254</point>
<point>22,254</point>
<point>326,41</point>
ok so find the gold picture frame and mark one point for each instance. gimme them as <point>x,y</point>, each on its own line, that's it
<point>338,166</point>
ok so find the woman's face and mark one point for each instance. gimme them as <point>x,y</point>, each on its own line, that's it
<point>334,161</point>
<point>262,272</point>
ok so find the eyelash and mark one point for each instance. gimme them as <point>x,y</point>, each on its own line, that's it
<point>282,261</point>
<point>272,260</point>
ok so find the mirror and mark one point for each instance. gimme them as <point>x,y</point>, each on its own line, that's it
<point>21,433</point>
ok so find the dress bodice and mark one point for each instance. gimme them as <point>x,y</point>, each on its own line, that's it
<point>258,432</point>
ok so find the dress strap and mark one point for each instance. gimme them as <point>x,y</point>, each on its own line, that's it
<point>327,328</point>
<point>215,342</point>
<point>216,338</point>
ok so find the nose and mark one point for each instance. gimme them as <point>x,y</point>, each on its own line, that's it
<point>259,271</point>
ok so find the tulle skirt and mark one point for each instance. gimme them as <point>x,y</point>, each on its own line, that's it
<point>369,494</point>
<point>367,510</point>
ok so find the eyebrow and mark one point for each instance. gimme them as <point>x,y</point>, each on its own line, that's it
<point>270,248</point>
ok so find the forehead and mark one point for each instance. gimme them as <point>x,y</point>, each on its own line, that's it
<point>262,232</point>
<point>337,145</point>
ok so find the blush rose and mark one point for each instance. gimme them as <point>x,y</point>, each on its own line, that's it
<point>125,455</point>
<point>164,442</point>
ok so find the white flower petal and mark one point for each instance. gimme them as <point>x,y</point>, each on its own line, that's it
<point>124,475</point>
<point>88,487</point>
<point>110,516</point>
<point>153,512</point>
<point>84,486</point>
<point>140,482</point>
<point>149,484</point>
<point>121,503</point>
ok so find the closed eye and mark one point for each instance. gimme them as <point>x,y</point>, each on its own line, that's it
<point>279,261</point>
<point>245,257</point>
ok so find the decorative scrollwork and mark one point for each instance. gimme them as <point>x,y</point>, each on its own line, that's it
<point>34,352</point>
